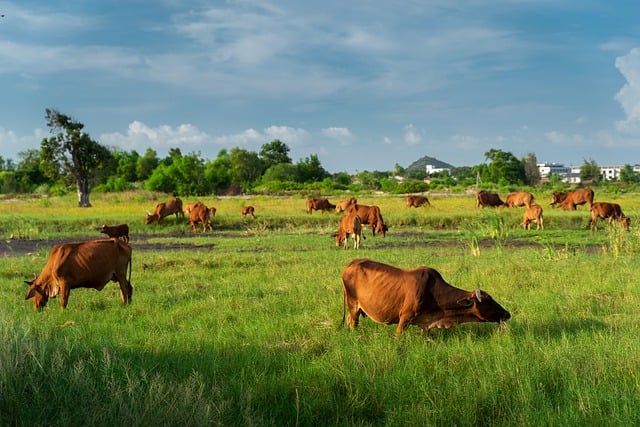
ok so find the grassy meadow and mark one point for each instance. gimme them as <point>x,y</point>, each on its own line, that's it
<point>242,325</point>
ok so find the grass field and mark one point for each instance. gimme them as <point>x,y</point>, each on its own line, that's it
<point>242,325</point>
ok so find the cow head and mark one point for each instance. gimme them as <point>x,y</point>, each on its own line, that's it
<point>484,307</point>
<point>150,218</point>
<point>624,221</point>
<point>35,291</point>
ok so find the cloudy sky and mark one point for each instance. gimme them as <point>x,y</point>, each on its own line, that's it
<point>362,84</point>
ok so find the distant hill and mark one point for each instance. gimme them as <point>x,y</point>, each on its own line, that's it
<point>421,164</point>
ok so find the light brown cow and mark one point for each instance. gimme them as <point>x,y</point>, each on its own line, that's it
<point>89,264</point>
<point>350,225</point>
<point>487,198</point>
<point>164,209</point>
<point>533,214</point>
<point>189,206</point>
<point>417,201</point>
<point>200,214</point>
<point>558,197</point>
<point>117,231</point>
<point>315,204</point>
<point>248,210</point>
<point>572,199</point>
<point>344,204</point>
<point>605,210</point>
<point>421,297</point>
<point>370,215</point>
<point>518,198</point>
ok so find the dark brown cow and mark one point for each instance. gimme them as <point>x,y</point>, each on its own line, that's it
<point>248,210</point>
<point>421,297</point>
<point>518,198</point>
<point>200,214</point>
<point>319,205</point>
<point>344,204</point>
<point>117,231</point>
<point>173,206</point>
<point>574,198</point>
<point>370,215</point>
<point>605,210</point>
<point>350,225</point>
<point>417,201</point>
<point>487,198</point>
<point>533,214</point>
<point>89,264</point>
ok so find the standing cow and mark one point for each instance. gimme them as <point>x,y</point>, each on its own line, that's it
<point>569,200</point>
<point>533,214</point>
<point>248,210</point>
<point>487,198</point>
<point>343,205</point>
<point>164,209</point>
<point>117,231</point>
<point>350,225</point>
<point>518,198</point>
<point>610,211</point>
<point>370,215</point>
<point>314,204</point>
<point>421,297</point>
<point>200,213</point>
<point>89,264</point>
<point>417,201</point>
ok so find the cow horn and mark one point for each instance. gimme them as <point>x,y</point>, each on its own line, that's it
<point>148,213</point>
<point>479,295</point>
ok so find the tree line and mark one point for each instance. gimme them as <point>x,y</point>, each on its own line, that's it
<point>69,158</point>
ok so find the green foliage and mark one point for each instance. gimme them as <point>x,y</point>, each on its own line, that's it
<point>504,168</point>
<point>590,171</point>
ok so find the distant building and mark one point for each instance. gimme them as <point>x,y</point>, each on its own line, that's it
<point>430,169</point>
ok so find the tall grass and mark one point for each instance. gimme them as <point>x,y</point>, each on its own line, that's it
<point>242,326</point>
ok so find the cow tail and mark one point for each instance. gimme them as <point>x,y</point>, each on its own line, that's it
<point>130,267</point>
<point>344,304</point>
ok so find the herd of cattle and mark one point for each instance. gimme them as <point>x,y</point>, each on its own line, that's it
<point>384,293</point>
<point>566,200</point>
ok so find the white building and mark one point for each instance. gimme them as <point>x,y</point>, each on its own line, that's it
<point>430,169</point>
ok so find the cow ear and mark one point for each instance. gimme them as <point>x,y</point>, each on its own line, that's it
<point>465,302</point>
<point>30,293</point>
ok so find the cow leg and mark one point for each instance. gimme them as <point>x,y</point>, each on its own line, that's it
<point>64,296</point>
<point>126,290</point>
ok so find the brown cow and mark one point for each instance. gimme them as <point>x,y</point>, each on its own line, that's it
<point>518,198</point>
<point>173,206</point>
<point>189,206</point>
<point>350,225</point>
<point>487,198</point>
<point>558,197</point>
<point>370,215</point>
<point>344,204</point>
<point>605,210</point>
<point>533,214</point>
<point>89,264</point>
<point>574,198</point>
<point>421,297</point>
<point>200,213</point>
<point>319,205</point>
<point>117,231</point>
<point>417,201</point>
<point>248,210</point>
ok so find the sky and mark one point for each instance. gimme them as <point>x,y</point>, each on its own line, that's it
<point>364,85</point>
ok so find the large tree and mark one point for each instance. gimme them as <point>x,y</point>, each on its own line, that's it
<point>274,153</point>
<point>590,171</point>
<point>505,168</point>
<point>71,155</point>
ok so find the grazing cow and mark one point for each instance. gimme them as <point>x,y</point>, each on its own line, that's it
<point>605,210</point>
<point>89,264</point>
<point>518,198</point>
<point>370,215</point>
<point>189,206</point>
<point>344,204</point>
<point>533,214</point>
<point>421,297</point>
<point>319,205</point>
<point>117,231</point>
<point>173,206</point>
<point>487,198</point>
<point>417,201</point>
<point>558,197</point>
<point>349,225</point>
<point>248,210</point>
<point>571,199</point>
<point>200,213</point>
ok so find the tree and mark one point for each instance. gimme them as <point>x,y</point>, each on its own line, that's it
<point>504,168</point>
<point>71,155</point>
<point>217,172</point>
<point>246,167</point>
<point>274,153</point>
<point>146,164</point>
<point>29,175</point>
<point>531,171</point>
<point>628,175</point>
<point>309,169</point>
<point>590,171</point>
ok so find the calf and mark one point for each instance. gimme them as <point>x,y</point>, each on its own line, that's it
<point>248,210</point>
<point>349,225</point>
<point>200,213</point>
<point>417,201</point>
<point>533,214</point>
<point>117,231</point>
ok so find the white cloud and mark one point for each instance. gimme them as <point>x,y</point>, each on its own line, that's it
<point>342,135</point>
<point>629,95</point>
<point>139,136</point>
<point>411,135</point>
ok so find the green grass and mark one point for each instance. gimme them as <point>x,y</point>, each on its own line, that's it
<point>242,326</point>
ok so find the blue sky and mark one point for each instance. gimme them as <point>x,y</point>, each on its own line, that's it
<point>362,84</point>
